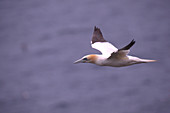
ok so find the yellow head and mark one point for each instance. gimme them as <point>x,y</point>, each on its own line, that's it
<point>87,59</point>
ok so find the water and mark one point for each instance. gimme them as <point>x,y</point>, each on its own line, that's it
<point>40,40</point>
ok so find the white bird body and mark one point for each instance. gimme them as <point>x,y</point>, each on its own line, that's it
<point>111,56</point>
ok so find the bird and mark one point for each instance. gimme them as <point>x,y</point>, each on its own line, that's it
<point>111,56</point>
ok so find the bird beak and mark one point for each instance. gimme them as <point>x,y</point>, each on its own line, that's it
<point>78,61</point>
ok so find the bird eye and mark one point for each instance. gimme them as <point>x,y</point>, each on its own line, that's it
<point>85,59</point>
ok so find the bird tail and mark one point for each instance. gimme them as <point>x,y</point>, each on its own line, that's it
<point>147,61</point>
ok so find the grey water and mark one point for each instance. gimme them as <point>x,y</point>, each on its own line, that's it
<point>40,40</point>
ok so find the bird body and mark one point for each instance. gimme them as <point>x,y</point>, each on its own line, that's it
<point>111,56</point>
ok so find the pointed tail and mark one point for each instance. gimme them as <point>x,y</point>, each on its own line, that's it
<point>147,61</point>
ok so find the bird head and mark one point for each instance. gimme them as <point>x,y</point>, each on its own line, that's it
<point>87,59</point>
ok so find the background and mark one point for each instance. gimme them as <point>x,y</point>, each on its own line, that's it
<point>40,40</point>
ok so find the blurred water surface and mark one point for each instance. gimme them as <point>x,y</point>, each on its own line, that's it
<point>40,40</point>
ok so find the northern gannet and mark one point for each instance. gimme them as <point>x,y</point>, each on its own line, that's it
<point>111,56</point>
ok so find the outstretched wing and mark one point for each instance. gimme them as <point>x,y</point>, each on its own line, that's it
<point>128,46</point>
<point>123,51</point>
<point>99,43</point>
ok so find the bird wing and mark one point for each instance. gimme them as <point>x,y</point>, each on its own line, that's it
<point>123,51</point>
<point>99,43</point>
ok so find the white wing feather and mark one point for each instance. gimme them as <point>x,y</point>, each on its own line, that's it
<point>105,48</point>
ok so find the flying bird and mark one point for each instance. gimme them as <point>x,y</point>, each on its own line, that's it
<point>111,56</point>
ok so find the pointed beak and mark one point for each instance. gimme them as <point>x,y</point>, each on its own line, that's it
<point>78,61</point>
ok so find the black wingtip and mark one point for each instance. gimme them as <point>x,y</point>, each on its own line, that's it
<point>129,45</point>
<point>133,42</point>
<point>96,28</point>
<point>97,35</point>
